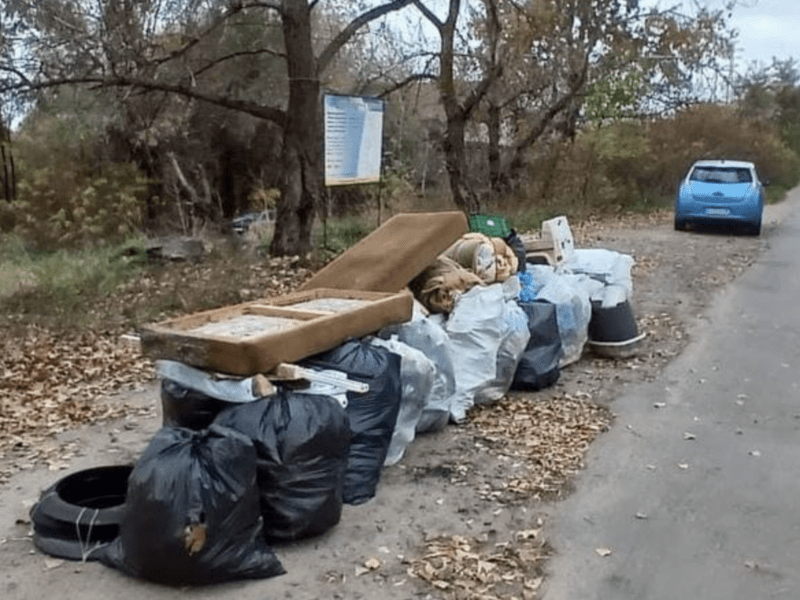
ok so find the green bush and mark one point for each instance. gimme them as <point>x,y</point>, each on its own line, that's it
<point>58,208</point>
<point>635,165</point>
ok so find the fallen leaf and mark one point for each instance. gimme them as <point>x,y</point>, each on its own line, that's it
<point>641,515</point>
<point>534,584</point>
<point>528,534</point>
<point>689,436</point>
<point>755,453</point>
<point>603,552</point>
<point>373,563</point>
<point>51,563</point>
<point>683,466</point>
<point>659,404</point>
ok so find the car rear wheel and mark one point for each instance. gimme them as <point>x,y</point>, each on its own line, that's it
<point>754,229</point>
<point>680,224</point>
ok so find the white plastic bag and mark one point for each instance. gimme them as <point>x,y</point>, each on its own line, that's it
<point>515,335</point>
<point>609,267</point>
<point>417,374</point>
<point>425,334</point>
<point>571,296</point>
<point>473,332</point>
<point>486,330</point>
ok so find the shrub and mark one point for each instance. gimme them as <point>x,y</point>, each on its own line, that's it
<point>58,207</point>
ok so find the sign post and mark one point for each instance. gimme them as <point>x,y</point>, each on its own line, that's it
<point>353,139</point>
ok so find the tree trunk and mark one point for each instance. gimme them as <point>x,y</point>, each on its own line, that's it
<point>493,125</point>
<point>301,157</point>
<point>454,151</point>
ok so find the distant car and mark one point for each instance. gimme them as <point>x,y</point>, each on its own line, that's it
<point>245,220</point>
<point>721,192</point>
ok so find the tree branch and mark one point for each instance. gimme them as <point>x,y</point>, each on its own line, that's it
<point>232,11</point>
<point>428,14</point>
<point>276,6</point>
<point>408,80</point>
<point>480,91</point>
<point>268,113</point>
<point>554,109</point>
<point>233,55</point>
<point>327,54</point>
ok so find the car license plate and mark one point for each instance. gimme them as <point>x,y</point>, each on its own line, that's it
<point>718,212</point>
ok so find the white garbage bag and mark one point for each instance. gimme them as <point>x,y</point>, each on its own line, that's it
<point>488,333</point>
<point>571,295</point>
<point>417,375</point>
<point>427,335</point>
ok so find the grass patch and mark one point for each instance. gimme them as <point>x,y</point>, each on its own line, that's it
<point>63,284</point>
<point>337,235</point>
<point>531,219</point>
<point>774,193</point>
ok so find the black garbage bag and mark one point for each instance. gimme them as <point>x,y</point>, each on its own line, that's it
<point>516,244</point>
<point>373,415</point>
<point>539,366</point>
<point>302,442</point>
<point>184,407</point>
<point>191,515</point>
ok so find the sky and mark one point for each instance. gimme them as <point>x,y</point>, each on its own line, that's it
<point>767,28</point>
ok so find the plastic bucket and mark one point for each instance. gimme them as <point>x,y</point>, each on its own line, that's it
<point>612,324</point>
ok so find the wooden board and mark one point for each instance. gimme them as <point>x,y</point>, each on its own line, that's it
<point>392,255</point>
<point>255,337</point>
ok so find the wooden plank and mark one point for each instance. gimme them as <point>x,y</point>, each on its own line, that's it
<point>284,311</point>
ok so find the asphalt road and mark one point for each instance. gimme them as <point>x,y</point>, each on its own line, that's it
<point>695,492</point>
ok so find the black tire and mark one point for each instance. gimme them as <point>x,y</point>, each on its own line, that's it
<point>680,224</point>
<point>80,511</point>
<point>754,229</point>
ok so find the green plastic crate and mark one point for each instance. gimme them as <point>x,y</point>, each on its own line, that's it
<point>491,225</point>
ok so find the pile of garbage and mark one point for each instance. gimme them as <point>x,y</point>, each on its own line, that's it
<point>237,467</point>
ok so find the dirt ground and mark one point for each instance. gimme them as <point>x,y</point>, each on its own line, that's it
<point>464,514</point>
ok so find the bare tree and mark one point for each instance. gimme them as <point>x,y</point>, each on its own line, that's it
<point>567,61</point>
<point>459,98</point>
<point>149,46</point>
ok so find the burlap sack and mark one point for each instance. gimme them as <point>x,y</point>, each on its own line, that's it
<point>438,286</point>
<point>476,252</point>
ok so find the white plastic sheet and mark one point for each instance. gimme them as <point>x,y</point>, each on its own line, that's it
<point>227,389</point>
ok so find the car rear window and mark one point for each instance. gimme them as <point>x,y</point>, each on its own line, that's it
<point>721,175</point>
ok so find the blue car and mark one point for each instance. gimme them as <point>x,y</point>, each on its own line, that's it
<point>721,192</point>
